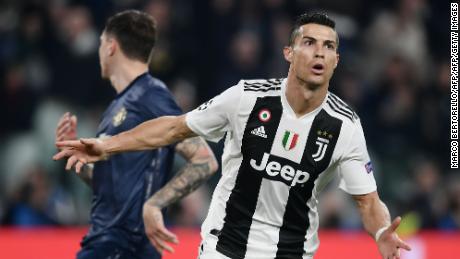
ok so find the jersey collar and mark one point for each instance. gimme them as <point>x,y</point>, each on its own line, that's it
<point>132,83</point>
<point>288,109</point>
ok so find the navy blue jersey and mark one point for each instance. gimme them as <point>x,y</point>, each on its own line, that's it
<point>122,183</point>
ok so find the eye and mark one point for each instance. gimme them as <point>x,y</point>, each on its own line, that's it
<point>330,46</point>
<point>308,42</point>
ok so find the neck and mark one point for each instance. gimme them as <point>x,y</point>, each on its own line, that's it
<point>302,97</point>
<point>125,72</point>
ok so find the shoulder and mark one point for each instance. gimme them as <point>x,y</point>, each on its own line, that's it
<point>252,88</point>
<point>154,96</point>
<point>155,89</point>
<point>145,88</point>
<point>338,108</point>
<point>262,85</point>
<point>154,84</point>
<point>351,124</point>
<point>255,88</point>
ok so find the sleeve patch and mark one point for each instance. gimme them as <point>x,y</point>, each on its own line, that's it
<point>369,167</point>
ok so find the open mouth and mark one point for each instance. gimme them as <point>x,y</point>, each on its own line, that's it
<point>318,69</point>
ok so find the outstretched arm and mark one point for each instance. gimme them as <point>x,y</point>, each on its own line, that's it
<point>201,164</point>
<point>376,221</point>
<point>148,135</point>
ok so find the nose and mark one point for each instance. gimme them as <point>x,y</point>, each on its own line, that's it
<point>319,55</point>
<point>319,51</point>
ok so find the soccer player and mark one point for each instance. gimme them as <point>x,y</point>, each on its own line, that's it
<point>285,139</point>
<point>122,183</point>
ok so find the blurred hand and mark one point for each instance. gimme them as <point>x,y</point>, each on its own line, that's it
<point>80,152</point>
<point>156,231</point>
<point>389,242</point>
<point>66,128</point>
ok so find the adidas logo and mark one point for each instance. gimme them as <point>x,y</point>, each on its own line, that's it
<point>260,131</point>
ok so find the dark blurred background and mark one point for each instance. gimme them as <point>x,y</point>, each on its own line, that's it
<point>394,70</point>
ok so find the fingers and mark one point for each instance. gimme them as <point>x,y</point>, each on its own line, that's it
<point>397,254</point>
<point>63,118</point>
<point>158,235</point>
<point>62,131</point>
<point>395,224</point>
<point>394,255</point>
<point>73,121</point>
<point>75,161</point>
<point>62,126</point>
<point>160,231</point>
<point>69,152</point>
<point>73,127</point>
<point>79,166</point>
<point>63,153</point>
<point>67,127</point>
<point>166,247</point>
<point>70,162</point>
<point>404,245</point>
<point>167,236</point>
<point>70,144</point>
<point>155,244</point>
<point>159,244</point>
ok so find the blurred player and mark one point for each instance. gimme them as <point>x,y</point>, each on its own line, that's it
<point>122,183</point>
<point>285,140</point>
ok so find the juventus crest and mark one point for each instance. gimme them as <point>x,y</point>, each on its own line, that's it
<point>322,142</point>
<point>322,146</point>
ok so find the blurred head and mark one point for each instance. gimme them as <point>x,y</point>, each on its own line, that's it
<point>131,34</point>
<point>427,174</point>
<point>245,50</point>
<point>312,49</point>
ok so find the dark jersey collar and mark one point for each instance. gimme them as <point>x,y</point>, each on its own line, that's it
<point>132,83</point>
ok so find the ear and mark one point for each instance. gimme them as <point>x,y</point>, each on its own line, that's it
<point>287,51</point>
<point>112,47</point>
<point>337,61</point>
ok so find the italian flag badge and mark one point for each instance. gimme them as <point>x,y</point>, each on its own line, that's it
<point>290,140</point>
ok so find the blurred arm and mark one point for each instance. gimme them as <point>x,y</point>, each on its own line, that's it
<point>201,164</point>
<point>66,129</point>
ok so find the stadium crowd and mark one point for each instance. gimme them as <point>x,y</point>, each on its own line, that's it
<point>394,71</point>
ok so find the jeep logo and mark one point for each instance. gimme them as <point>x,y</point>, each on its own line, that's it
<point>287,172</point>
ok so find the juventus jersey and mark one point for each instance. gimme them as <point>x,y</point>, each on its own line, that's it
<point>274,165</point>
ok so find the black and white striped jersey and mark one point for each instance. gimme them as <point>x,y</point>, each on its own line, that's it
<point>274,165</point>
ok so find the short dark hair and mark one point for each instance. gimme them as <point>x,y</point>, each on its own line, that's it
<point>306,18</point>
<point>135,31</point>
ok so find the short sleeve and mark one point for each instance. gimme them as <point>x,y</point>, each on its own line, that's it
<point>355,167</point>
<point>211,120</point>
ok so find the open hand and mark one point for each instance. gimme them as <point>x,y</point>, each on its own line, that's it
<point>389,242</point>
<point>158,235</point>
<point>80,152</point>
<point>66,128</point>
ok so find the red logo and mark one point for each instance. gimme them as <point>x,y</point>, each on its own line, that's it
<point>264,115</point>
